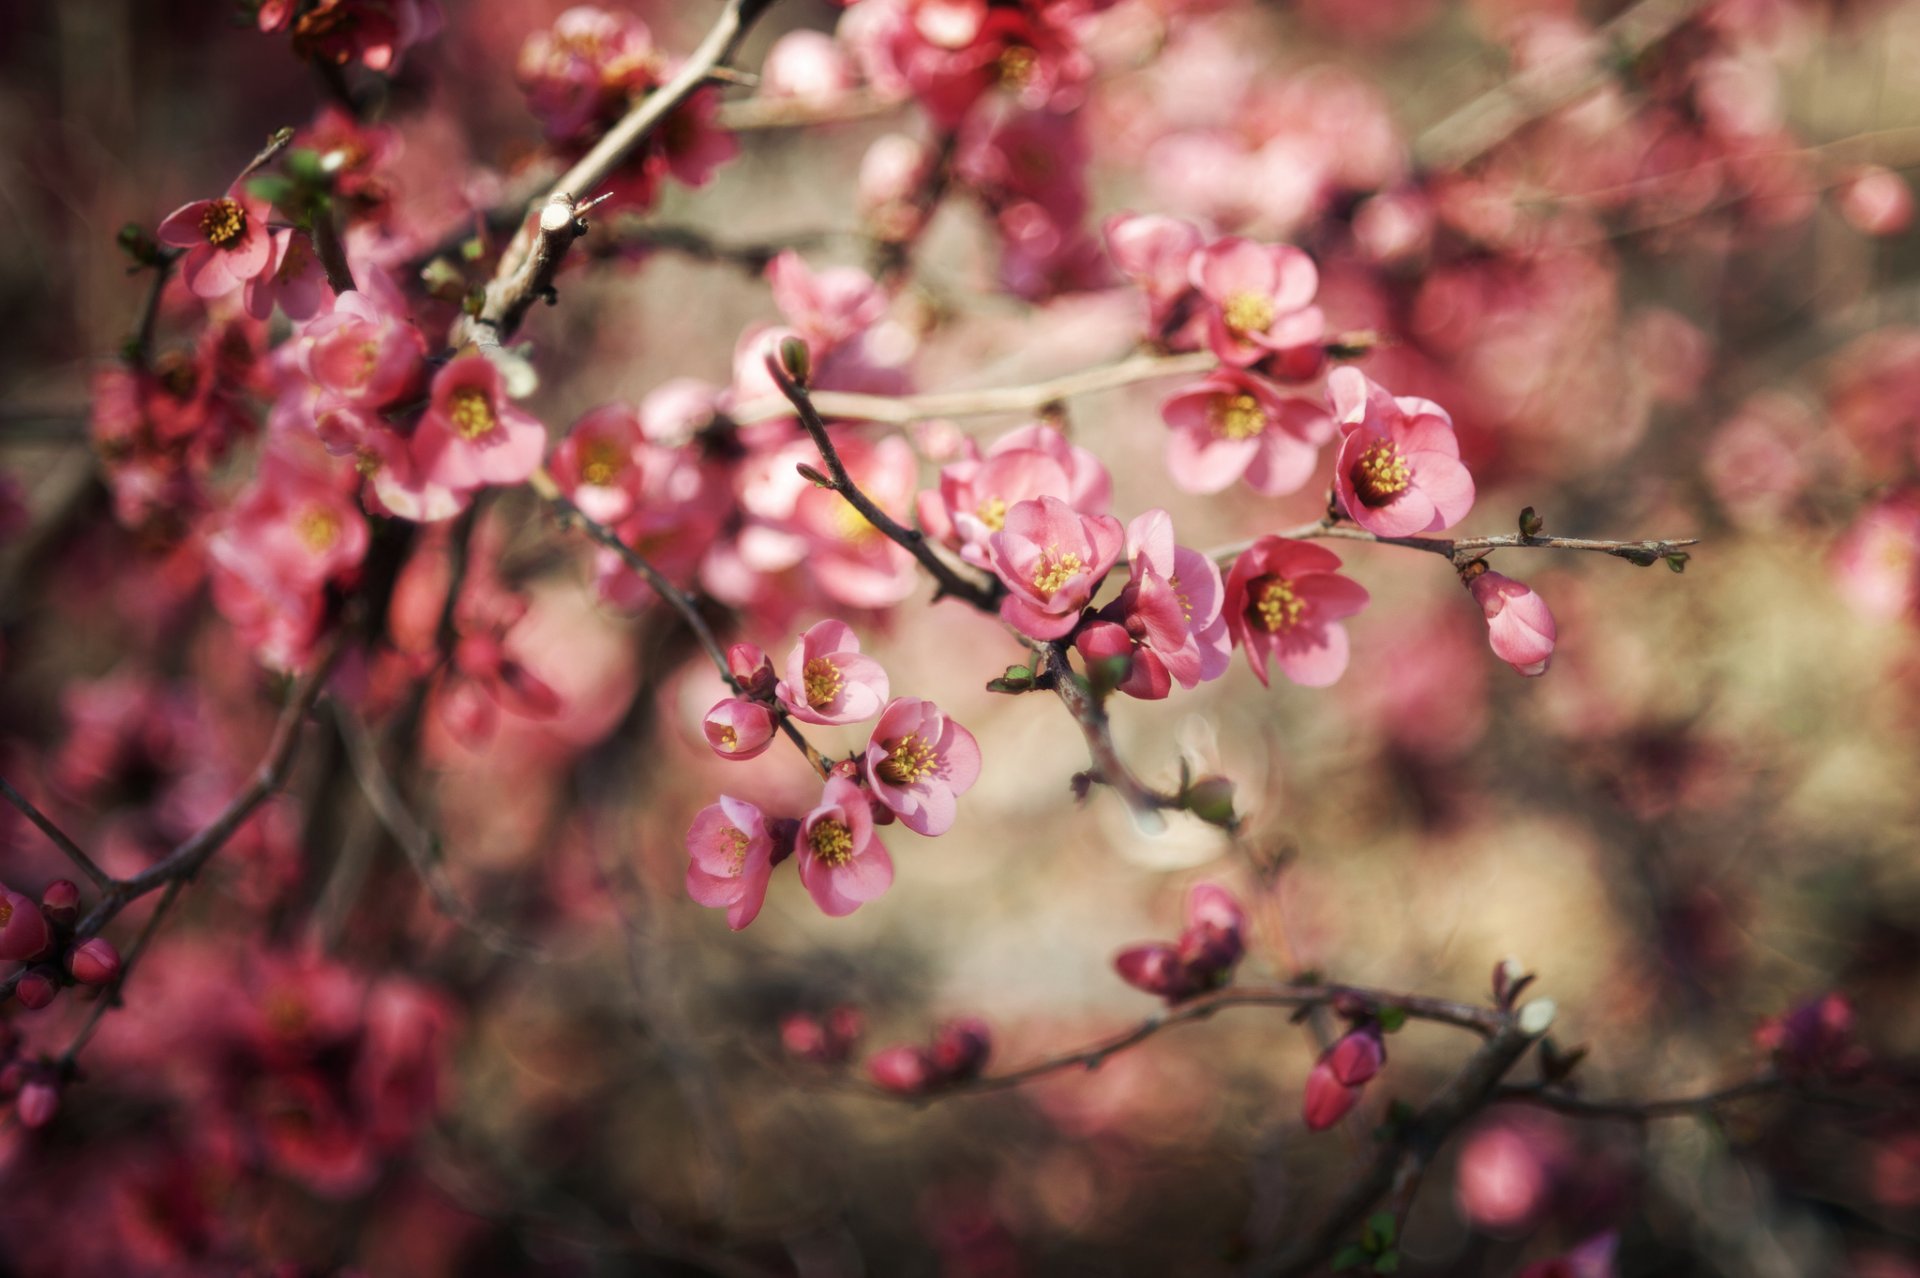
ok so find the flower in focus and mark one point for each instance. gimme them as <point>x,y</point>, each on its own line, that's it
<point>1232,424</point>
<point>1518,624</point>
<point>918,762</point>
<point>739,729</point>
<point>829,680</point>
<point>226,240</point>
<point>1259,304</point>
<point>1285,600</point>
<point>472,435</point>
<point>842,864</point>
<point>1051,558</point>
<point>1398,469</point>
<point>732,859</point>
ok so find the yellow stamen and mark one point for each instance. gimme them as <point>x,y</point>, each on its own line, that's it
<point>318,527</point>
<point>1381,474</point>
<point>1236,416</point>
<point>832,842</point>
<point>601,461</point>
<point>735,844</point>
<point>1249,313</point>
<point>992,512</point>
<point>472,413</point>
<point>823,682</point>
<point>729,739</point>
<point>1015,65</point>
<point>1055,570</point>
<point>1278,606</point>
<point>223,222</point>
<point>908,761</point>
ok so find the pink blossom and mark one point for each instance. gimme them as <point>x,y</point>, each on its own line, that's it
<point>37,1103</point>
<point>376,32</point>
<point>828,308</point>
<point>752,669</point>
<point>842,864</point>
<point>1877,201</point>
<point>1326,1100</point>
<point>1203,959</point>
<point>35,990</point>
<point>364,352</point>
<point>94,962</point>
<point>597,463</point>
<point>738,729</point>
<point>1285,600</point>
<point>891,173</point>
<point>1398,470</point>
<point>732,859</point>
<point>974,495</point>
<point>824,1040</point>
<point>1876,564</point>
<point>1169,614</point>
<point>577,74</point>
<point>1259,301</point>
<point>472,435</point>
<point>919,762</point>
<point>851,561</point>
<point>227,242</point>
<point>1518,624</point>
<point>807,66</point>
<point>1051,559</point>
<point>692,144</point>
<point>1232,424</point>
<point>904,1070</point>
<point>1814,1040</point>
<point>828,680</point>
<point>61,901</point>
<point>295,280</point>
<point>1156,253</point>
<point>24,933</point>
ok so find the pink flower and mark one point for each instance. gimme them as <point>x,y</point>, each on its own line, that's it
<point>959,1052</point>
<point>1357,1056</point>
<point>1814,1040</point>
<point>918,762</point>
<point>472,435</point>
<point>37,1103</point>
<point>1051,559</point>
<point>1168,619</point>
<point>1518,624</point>
<point>1156,253</point>
<point>824,1040</point>
<point>1259,301</point>
<point>752,669</point>
<point>1398,469</point>
<point>295,279</point>
<point>364,351</point>
<point>376,32</point>
<point>1203,959</point>
<point>842,864</point>
<point>1232,424</point>
<point>828,680</point>
<point>227,242</point>
<point>1285,600</point>
<point>809,66</point>
<point>24,933</point>
<point>904,1070</point>
<point>1876,564</point>
<point>828,308</point>
<point>94,962</point>
<point>1327,1099</point>
<point>738,729</point>
<point>732,859</point>
<point>597,464</point>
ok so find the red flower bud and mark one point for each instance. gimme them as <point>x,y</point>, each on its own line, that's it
<point>35,990</point>
<point>961,1048</point>
<point>1327,1099</point>
<point>94,962</point>
<point>1357,1057</point>
<point>24,933</point>
<point>61,901</point>
<point>39,1101</point>
<point>904,1070</point>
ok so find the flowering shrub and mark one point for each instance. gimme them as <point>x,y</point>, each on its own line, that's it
<point>457,579</point>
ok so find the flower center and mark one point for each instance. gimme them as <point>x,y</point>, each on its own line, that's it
<point>1236,416</point>
<point>6,913</point>
<point>472,413</point>
<point>734,845</point>
<point>908,761</point>
<point>601,462</point>
<point>1055,570</point>
<point>1249,313</point>
<point>1186,600</point>
<point>318,527</point>
<point>832,842</point>
<point>223,222</point>
<point>1381,474</point>
<point>366,462</point>
<point>729,739</point>
<point>992,512</point>
<point>823,682</point>
<point>1279,608</point>
<point>1015,65</point>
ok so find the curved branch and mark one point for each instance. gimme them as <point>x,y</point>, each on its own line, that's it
<point>1463,550</point>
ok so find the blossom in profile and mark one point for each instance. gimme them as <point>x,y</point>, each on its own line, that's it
<point>1519,627</point>
<point>829,680</point>
<point>1051,558</point>
<point>1167,622</point>
<point>731,861</point>
<point>1234,425</point>
<point>738,729</point>
<point>227,242</point>
<point>919,762</point>
<point>1210,947</point>
<point>1155,252</point>
<point>1285,602</point>
<point>1398,470</point>
<point>842,864</point>
<point>472,435</point>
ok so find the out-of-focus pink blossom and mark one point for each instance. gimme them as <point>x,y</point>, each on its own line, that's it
<point>1876,563</point>
<point>1877,201</point>
<point>1398,469</point>
<point>738,729</point>
<point>1285,600</point>
<point>1156,253</point>
<point>295,281</point>
<point>24,933</point>
<point>829,307</point>
<point>227,242</point>
<point>37,1103</point>
<point>1357,1056</point>
<point>376,32</point>
<point>1232,424</point>
<point>472,435</point>
<point>1051,558</point>
<point>919,762</point>
<point>35,990</point>
<point>597,463</point>
<point>824,1040</point>
<point>364,352</point>
<point>60,902</point>
<point>842,864</point>
<point>1519,627</point>
<point>958,1053</point>
<point>807,66</point>
<point>731,862</point>
<point>829,680</point>
<point>1814,1040</point>
<point>891,173</point>
<point>905,1070</point>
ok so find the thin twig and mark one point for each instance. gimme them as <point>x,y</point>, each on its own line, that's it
<point>1463,550</point>
<point>1091,716</point>
<point>109,997</point>
<point>982,596</point>
<point>75,853</point>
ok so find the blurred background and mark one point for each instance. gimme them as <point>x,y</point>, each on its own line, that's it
<point>1686,303</point>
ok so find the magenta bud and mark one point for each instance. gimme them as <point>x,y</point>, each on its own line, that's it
<point>24,933</point>
<point>902,1070</point>
<point>35,990</point>
<point>1327,1099</point>
<point>751,666</point>
<point>825,1041</point>
<point>1155,968</point>
<point>961,1048</point>
<point>1358,1056</point>
<point>94,962</point>
<point>61,901</point>
<point>38,1102</point>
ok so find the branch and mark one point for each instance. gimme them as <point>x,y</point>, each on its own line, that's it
<point>1490,119</point>
<point>1088,712</point>
<point>675,598</point>
<point>75,853</point>
<point>527,268</point>
<point>900,410</point>
<point>1484,1021</point>
<point>983,596</point>
<point>751,115</point>
<point>1463,550</point>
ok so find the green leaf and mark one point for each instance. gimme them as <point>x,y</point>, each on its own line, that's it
<point>304,165</point>
<point>1016,679</point>
<point>1392,1019</point>
<point>1349,1257</point>
<point>1388,1262</point>
<point>272,188</point>
<point>1383,1225</point>
<point>473,250</point>
<point>1678,560</point>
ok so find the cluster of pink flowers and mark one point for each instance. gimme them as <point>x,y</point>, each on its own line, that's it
<point>374,33</point>
<point>916,765</point>
<point>1814,1040</point>
<point>1210,947</point>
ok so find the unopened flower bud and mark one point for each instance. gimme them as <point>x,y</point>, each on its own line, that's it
<point>1358,1056</point>
<point>94,962</point>
<point>904,1070</point>
<point>38,1102</point>
<point>61,902</point>
<point>796,359</point>
<point>1327,1099</point>
<point>749,664</point>
<point>961,1048</point>
<point>35,990</point>
<point>1519,626</point>
<point>24,933</point>
<point>739,729</point>
<point>1155,968</point>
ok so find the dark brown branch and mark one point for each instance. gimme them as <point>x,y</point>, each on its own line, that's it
<point>1091,716</point>
<point>981,596</point>
<point>75,853</point>
<point>109,997</point>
